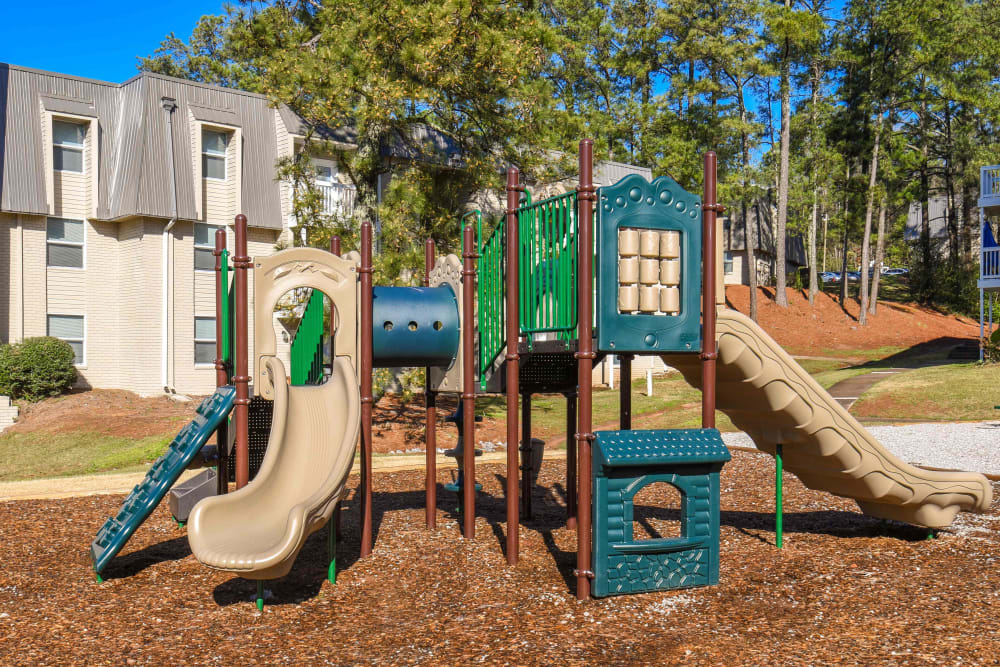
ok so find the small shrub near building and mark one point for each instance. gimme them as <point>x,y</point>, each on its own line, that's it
<point>36,368</point>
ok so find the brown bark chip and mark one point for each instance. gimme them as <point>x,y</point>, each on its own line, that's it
<point>845,589</point>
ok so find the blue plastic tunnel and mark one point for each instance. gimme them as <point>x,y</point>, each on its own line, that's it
<point>414,326</point>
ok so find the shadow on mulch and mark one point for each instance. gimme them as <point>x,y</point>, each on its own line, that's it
<point>135,562</point>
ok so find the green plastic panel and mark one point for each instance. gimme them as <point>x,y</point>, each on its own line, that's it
<point>662,205</point>
<point>306,353</point>
<point>144,498</point>
<point>625,462</point>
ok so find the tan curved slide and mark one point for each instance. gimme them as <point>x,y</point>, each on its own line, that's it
<point>258,531</point>
<point>773,399</point>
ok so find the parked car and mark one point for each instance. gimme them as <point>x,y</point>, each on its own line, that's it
<point>895,272</point>
<point>853,276</point>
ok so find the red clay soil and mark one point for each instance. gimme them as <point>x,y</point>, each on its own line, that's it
<point>826,326</point>
<point>846,589</point>
<point>111,412</point>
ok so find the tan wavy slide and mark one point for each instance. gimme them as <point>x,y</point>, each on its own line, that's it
<point>773,399</point>
<point>258,531</point>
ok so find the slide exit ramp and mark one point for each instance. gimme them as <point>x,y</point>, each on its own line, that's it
<point>117,530</point>
<point>768,395</point>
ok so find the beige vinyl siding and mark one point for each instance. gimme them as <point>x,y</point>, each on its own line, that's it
<point>101,302</point>
<point>139,305</point>
<point>35,278</point>
<point>72,195</point>
<point>220,199</point>
<point>10,267</point>
<point>285,147</point>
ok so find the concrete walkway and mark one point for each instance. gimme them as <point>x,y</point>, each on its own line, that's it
<point>846,392</point>
<point>115,483</point>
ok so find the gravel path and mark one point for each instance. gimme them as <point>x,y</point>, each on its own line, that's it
<point>973,446</point>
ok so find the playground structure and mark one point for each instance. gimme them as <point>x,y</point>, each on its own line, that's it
<point>541,288</point>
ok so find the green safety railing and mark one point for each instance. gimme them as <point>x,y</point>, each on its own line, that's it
<point>547,232</point>
<point>228,307</point>
<point>307,344</point>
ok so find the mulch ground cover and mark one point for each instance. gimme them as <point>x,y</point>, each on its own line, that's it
<point>846,589</point>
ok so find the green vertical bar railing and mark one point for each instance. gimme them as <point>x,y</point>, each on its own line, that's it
<point>307,345</point>
<point>491,319</point>
<point>548,234</point>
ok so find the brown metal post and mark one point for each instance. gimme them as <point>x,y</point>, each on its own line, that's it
<point>430,404</point>
<point>526,455</point>
<point>709,347</point>
<point>586,194</point>
<point>241,378</point>
<point>468,384</point>
<point>335,245</point>
<point>514,189</point>
<point>367,400</point>
<point>625,392</point>
<point>571,460</point>
<point>221,373</point>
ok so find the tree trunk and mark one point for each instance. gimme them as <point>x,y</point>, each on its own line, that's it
<point>749,230</point>
<point>951,213</point>
<point>826,226</point>
<point>867,237</point>
<point>847,226</point>
<point>926,273</point>
<point>879,257</point>
<point>813,220</point>
<point>781,298</point>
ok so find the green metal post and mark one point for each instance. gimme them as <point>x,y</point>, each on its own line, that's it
<point>260,595</point>
<point>227,312</point>
<point>331,572</point>
<point>778,509</point>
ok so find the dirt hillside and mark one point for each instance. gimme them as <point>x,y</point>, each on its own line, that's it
<point>826,326</point>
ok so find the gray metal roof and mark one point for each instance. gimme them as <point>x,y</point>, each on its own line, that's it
<point>133,166</point>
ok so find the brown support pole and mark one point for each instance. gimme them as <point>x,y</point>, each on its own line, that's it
<point>335,245</point>
<point>221,373</point>
<point>571,460</point>
<point>625,392</point>
<point>526,455</point>
<point>709,351</point>
<point>468,384</point>
<point>367,400</point>
<point>430,403</point>
<point>587,194</point>
<point>514,189</point>
<point>241,262</point>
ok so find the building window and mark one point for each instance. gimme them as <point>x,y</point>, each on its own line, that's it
<point>67,146</point>
<point>326,171</point>
<point>727,262</point>
<point>213,154</point>
<point>64,240</point>
<point>69,328</point>
<point>204,246</point>
<point>204,340</point>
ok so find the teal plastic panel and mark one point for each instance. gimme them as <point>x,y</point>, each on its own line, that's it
<point>659,447</point>
<point>662,205</point>
<point>117,530</point>
<point>625,462</point>
<point>414,326</point>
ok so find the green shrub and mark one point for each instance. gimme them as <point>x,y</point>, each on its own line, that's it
<point>36,368</point>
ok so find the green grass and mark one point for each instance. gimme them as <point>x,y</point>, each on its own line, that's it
<point>829,378</point>
<point>36,455</point>
<point>949,393</point>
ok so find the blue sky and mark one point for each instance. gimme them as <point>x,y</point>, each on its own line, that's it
<point>98,40</point>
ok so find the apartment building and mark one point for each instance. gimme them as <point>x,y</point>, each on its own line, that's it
<point>110,195</point>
